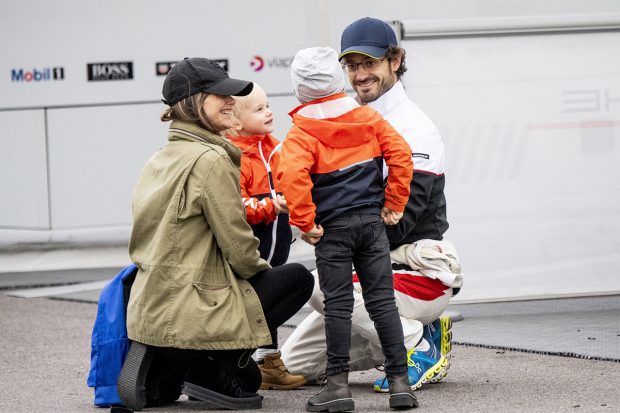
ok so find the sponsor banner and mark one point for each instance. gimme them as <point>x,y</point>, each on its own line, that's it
<point>258,62</point>
<point>222,62</point>
<point>109,71</point>
<point>162,68</point>
<point>37,75</point>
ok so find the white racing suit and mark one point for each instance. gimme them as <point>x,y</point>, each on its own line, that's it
<point>422,287</point>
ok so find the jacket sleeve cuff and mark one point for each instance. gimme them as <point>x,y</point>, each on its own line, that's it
<point>271,211</point>
<point>306,228</point>
<point>394,206</point>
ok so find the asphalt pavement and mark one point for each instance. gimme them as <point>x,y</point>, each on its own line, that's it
<point>532,356</point>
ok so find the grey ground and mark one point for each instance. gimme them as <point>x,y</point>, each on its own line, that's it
<point>45,355</point>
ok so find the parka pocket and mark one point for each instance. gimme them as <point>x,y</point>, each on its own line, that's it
<point>217,313</point>
<point>213,294</point>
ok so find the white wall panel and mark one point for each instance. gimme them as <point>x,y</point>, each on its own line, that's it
<point>23,181</point>
<point>96,155</point>
<point>532,131</point>
<point>531,122</point>
<point>281,106</point>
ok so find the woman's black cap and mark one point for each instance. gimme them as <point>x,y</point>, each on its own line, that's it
<point>197,74</point>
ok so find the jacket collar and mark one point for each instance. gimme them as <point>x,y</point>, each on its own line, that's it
<point>249,145</point>
<point>190,132</point>
<point>390,100</point>
<point>250,142</point>
<point>337,96</point>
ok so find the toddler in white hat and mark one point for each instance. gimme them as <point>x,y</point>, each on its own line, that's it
<point>316,73</point>
<point>331,174</point>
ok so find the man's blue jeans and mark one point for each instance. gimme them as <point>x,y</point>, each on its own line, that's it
<point>357,237</point>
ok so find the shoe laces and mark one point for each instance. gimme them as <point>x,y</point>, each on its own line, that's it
<point>411,362</point>
<point>247,354</point>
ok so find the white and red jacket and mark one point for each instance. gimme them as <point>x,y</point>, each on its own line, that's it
<point>260,159</point>
<point>425,214</point>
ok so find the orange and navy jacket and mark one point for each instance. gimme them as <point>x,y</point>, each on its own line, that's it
<point>260,158</point>
<point>332,161</point>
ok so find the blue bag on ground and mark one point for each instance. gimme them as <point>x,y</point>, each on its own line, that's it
<point>109,342</point>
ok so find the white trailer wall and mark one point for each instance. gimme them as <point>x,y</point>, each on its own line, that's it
<point>530,121</point>
<point>532,130</point>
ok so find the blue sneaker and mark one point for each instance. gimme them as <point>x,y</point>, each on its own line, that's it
<point>423,366</point>
<point>440,333</point>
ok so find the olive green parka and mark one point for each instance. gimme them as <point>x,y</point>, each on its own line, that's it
<point>194,249</point>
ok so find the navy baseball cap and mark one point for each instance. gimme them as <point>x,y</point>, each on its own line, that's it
<point>367,36</point>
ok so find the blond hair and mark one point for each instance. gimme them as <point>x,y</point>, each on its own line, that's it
<point>240,106</point>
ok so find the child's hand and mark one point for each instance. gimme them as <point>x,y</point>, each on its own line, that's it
<point>313,236</point>
<point>280,203</point>
<point>390,217</point>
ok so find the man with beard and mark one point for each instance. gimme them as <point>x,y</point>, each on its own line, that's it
<point>427,272</point>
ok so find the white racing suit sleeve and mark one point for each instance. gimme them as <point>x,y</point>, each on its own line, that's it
<point>434,259</point>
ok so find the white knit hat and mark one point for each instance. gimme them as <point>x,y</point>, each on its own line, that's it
<point>316,73</point>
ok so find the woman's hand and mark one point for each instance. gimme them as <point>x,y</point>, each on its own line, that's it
<point>313,236</point>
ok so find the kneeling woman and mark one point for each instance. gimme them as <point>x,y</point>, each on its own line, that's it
<point>203,299</point>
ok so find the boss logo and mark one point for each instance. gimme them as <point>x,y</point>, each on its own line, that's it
<point>110,71</point>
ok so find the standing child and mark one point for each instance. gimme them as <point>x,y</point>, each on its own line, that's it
<point>265,209</point>
<point>331,174</point>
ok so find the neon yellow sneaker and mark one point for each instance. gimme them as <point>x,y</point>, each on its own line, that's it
<point>423,366</point>
<point>440,333</point>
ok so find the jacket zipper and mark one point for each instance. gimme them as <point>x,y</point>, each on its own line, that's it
<point>272,190</point>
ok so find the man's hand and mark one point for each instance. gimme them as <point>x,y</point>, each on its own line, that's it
<point>390,217</point>
<point>313,236</point>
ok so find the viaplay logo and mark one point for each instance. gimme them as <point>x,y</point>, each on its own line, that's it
<point>257,63</point>
<point>38,75</point>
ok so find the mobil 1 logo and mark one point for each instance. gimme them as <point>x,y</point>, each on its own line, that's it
<point>109,71</point>
<point>37,74</point>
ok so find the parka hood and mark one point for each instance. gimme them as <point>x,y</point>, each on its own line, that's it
<point>337,121</point>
